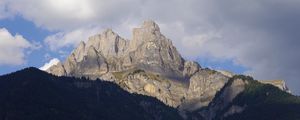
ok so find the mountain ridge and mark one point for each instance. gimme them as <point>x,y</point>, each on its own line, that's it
<point>34,94</point>
<point>148,64</point>
<point>31,94</point>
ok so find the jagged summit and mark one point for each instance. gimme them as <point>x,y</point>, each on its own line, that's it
<point>149,62</point>
<point>151,25</point>
<point>108,31</point>
<point>148,49</point>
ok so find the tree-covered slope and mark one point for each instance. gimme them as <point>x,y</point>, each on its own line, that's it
<point>254,101</point>
<point>31,94</point>
<point>266,102</point>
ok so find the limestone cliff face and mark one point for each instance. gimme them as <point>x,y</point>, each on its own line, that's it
<point>203,87</point>
<point>148,64</point>
<point>224,99</point>
<point>151,50</point>
<point>278,83</point>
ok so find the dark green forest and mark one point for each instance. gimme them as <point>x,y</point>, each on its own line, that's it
<point>31,94</point>
<point>265,102</point>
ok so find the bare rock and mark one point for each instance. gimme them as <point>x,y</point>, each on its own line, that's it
<point>190,68</point>
<point>79,52</point>
<point>226,73</point>
<point>93,65</point>
<point>57,70</point>
<point>151,50</point>
<point>224,99</point>
<point>150,88</point>
<point>277,83</point>
<point>203,87</point>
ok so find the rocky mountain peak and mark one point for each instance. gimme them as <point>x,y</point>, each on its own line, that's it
<point>79,51</point>
<point>147,64</point>
<point>148,49</point>
<point>109,32</point>
<point>148,32</point>
<point>108,43</point>
<point>150,25</point>
<point>151,50</point>
<point>166,74</point>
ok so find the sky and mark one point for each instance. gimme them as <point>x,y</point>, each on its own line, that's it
<point>260,38</point>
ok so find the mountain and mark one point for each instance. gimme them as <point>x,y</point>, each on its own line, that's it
<point>31,94</point>
<point>150,65</point>
<point>243,98</point>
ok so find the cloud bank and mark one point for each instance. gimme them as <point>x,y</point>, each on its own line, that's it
<point>13,48</point>
<point>262,35</point>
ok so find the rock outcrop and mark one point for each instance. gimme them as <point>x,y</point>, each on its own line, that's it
<point>223,100</point>
<point>203,87</point>
<point>278,83</point>
<point>226,73</point>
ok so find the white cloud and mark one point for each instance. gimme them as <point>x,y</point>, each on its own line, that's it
<point>71,38</point>
<point>71,14</point>
<point>13,48</point>
<point>52,62</point>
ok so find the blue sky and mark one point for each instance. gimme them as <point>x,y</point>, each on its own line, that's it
<point>258,37</point>
<point>36,58</point>
<point>28,31</point>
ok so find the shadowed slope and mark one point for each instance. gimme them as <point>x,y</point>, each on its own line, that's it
<point>31,94</point>
<point>243,98</point>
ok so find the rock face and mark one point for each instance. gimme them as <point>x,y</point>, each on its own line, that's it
<point>278,83</point>
<point>148,64</point>
<point>203,87</point>
<point>190,68</point>
<point>223,100</point>
<point>150,50</point>
<point>226,73</point>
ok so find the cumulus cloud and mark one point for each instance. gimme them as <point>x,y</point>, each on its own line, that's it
<point>52,62</point>
<point>13,48</point>
<point>72,14</point>
<point>69,38</point>
<point>72,38</point>
<point>261,35</point>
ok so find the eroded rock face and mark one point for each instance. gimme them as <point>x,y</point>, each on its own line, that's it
<point>190,68</point>
<point>226,73</point>
<point>151,89</point>
<point>152,84</point>
<point>224,99</point>
<point>278,83</point>
<point>93,64</point>
<point>151,50</point>
<point>109,44</point>
<point>57,70</point>
<point>203,86</point>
